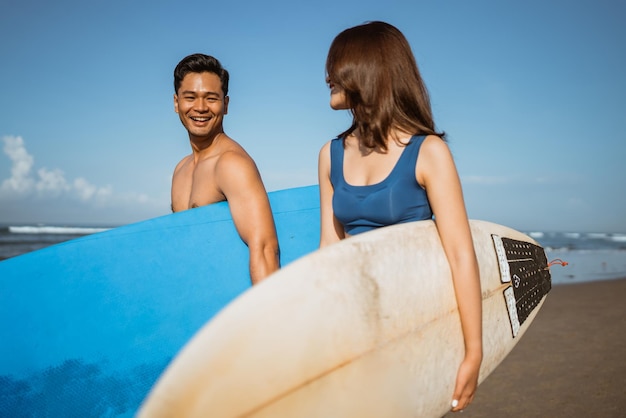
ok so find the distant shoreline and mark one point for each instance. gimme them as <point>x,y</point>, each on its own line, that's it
<point>590,256</point>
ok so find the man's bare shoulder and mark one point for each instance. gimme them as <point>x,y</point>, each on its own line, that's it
<point>232,156</point>
<point>235,170</point>
<point>183,163</point>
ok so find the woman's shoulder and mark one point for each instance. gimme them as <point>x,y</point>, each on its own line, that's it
<point>326,147</point>
<point>324,154</point>
<point>434,153</point>
<point>434,144</point>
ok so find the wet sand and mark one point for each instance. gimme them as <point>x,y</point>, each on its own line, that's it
<point>570,363</point>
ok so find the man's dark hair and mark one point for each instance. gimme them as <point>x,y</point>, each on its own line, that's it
<point>200,63</point>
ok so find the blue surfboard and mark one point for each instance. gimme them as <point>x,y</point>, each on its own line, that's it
<point>88,325</point>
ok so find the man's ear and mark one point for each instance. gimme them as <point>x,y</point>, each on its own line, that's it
<point>226,100</point>
<point>175,103</point>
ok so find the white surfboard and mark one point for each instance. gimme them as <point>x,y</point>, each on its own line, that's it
<point>367,327</point>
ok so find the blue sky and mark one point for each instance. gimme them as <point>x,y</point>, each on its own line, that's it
<point>532,95</point>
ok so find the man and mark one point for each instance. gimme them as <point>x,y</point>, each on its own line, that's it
<point>219,168</point>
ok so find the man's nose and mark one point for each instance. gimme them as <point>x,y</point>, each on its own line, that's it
<point>201,105</point>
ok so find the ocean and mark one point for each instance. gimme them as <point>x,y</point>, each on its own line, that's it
<point>20,239</point>
<point>589,256</point>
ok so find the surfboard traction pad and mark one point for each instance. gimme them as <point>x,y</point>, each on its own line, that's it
<point>525,266</point>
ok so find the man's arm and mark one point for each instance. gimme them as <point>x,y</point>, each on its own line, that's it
<point>240,182</point>
<point>181,185</point>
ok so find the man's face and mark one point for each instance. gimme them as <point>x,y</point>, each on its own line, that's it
<point>200,104</point>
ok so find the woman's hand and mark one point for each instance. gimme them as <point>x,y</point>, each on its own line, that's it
<point>466,383</point>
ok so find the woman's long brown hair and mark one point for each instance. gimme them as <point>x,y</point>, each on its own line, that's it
<point>375,66</point>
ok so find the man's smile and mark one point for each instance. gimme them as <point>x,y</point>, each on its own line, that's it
<point>200,118</point>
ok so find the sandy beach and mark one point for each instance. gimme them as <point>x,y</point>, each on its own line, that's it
<point>570,363</point>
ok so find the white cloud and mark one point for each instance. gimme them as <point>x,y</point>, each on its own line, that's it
<point>52,183</point>
<point>84,189</point>
<point>47,183</point>
<point>486,180</point>
<point>517,179</point>
<point>20,181</point>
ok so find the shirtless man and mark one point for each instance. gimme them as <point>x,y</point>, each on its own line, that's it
<point>219,168</point>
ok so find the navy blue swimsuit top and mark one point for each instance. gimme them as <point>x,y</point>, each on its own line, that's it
<point>397,199</point>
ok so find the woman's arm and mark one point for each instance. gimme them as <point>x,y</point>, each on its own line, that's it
<point>436,171</point>
<point>331,230</point>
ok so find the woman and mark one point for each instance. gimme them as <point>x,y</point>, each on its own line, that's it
<point>392,166</point>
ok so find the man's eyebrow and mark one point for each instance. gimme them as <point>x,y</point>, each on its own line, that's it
<point>208,93</point>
